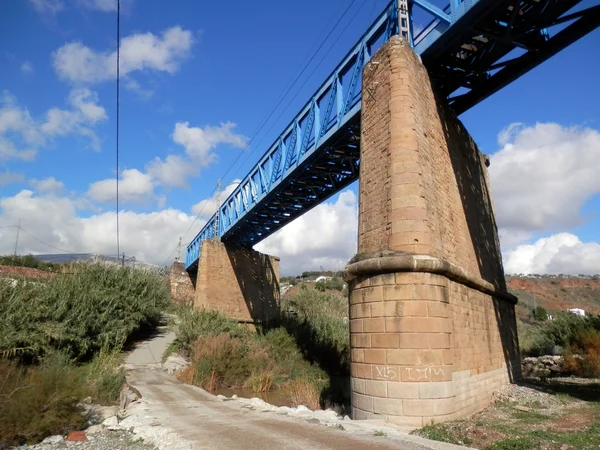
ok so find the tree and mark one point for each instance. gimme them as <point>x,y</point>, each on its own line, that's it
<point>540,314</point>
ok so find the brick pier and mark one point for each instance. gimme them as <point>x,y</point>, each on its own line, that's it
<point>433,330</point>
<point>241,283</point>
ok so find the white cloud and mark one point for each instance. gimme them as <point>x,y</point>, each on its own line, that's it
<point>17,125</point>
<point>99,5</point>
<point>207,207</point>
<point>15,119</point>
<point>559,253</point>
<point>86,111</point>
<point>134,186</point>
<point>325,236</point>
<point>7,178</point>
<point>173,171</point>
<point>26,67</point>
<point>77,63</point>
<point>149,237</point>
<point>47,6</point>
<point>9,151</point>
<point>543,175</point>
<point>49,184</point>
<point>199,144</point>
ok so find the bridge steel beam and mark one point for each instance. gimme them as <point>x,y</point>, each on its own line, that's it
<point>432,327</point>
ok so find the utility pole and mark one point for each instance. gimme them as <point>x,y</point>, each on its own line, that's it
<point>218,202</point>
<point>17,240</point>
<point>123,260</point>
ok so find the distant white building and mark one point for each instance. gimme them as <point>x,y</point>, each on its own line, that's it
<point>323,278</point>
<point>577,311</point>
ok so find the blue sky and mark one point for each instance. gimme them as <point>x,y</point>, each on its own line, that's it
<point>217,69</point>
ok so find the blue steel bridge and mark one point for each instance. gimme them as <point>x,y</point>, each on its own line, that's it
<point>471,48</point>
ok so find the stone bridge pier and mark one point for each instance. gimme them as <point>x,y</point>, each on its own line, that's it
<point>240,283</point>
<point>433,329</point>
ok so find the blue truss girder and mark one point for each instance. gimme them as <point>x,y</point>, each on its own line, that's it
<point>466,47</point>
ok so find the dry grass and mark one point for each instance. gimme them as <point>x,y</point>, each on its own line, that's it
<point>186,375</point>
<point>262,381</point>
<point>304,392</point>
<point>584,359</point>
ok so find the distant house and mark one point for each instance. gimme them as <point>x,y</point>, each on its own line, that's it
<point>577,311</point>
<point>323,278</point>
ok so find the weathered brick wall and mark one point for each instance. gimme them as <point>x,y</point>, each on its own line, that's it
<point>431,337</point>
<point>240,283</point>
<point>182,284</point>
<point>427,348</point>
<point>423,175</point>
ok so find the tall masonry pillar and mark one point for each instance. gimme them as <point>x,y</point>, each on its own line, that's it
<point>433,329</point>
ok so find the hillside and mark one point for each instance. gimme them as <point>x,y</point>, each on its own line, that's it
<point>556,294</point>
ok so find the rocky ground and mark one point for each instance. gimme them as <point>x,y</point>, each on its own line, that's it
<point>106,440</point>
<point>556,414</point>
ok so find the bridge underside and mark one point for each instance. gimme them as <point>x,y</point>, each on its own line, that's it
<point>321,175</point>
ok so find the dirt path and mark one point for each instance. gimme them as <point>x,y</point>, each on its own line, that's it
<point>177,416</point>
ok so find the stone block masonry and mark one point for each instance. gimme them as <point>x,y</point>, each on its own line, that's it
<point>182,284</point>
<point>240,283</point>
<point>432,330</point>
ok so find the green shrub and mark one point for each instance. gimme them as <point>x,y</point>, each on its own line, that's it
<point>320,327</point>
<point>565,331</point>
<point>37,402</point>
<point>92,307</point>
<point>27,261</point>
<point>195,324</point>
<point>582,357</point>
<point>42,400</point>
<point>540,314</point>
<point>514,444</point>
<point>225,354</point>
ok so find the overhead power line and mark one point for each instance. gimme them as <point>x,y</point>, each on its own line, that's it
<point>304,84</point>
<point>285,93</point>
<point>43,242</point>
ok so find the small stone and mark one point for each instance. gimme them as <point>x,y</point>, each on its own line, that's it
<point>87,400</point>
<point>95,429</point>
<point>53,439</point>
<point>234,397</point>
<point>523,408</point>
<point>302,408</point>
<point>222,398</point>
<point>313,420</point>
<point>111,421</point>
<point>347,418</point>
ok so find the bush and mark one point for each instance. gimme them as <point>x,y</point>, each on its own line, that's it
<point>335,284</point>
<point>305,391</point>
<point>92,307</point>
<point>320,327</point>
<point>540,314</point>
<point>27,261</point>
<point>582,358</point>
<point>39,401</point>
<point>564,331</point>
<point>225,354</point>
<point>195,324</point>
